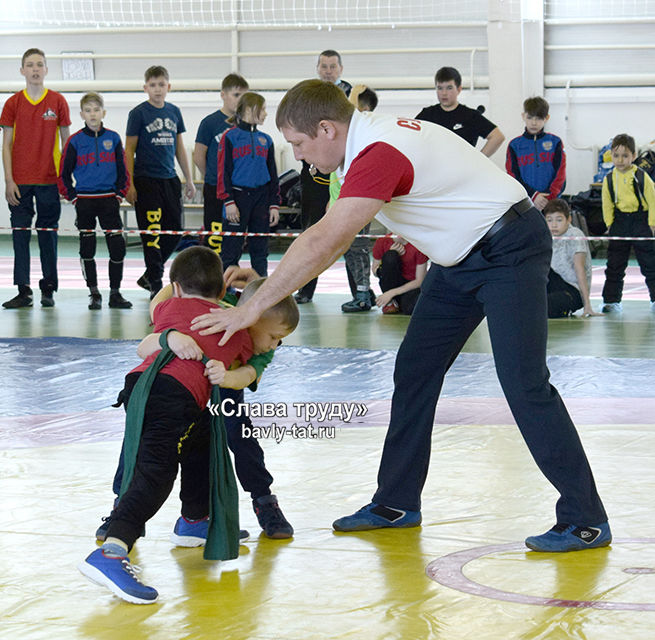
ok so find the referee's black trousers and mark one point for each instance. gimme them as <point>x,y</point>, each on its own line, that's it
<point>505,281</point>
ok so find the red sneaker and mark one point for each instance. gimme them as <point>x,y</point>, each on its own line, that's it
<point>391,307</point>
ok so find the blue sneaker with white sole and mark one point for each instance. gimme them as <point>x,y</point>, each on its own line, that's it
<point>569,537</point>
<point>377,516</point>
<point>110,567</point>
<point>193,533</point>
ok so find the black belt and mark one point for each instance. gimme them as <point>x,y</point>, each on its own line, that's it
<point>515,211</point>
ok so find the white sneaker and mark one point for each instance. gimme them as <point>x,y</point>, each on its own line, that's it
<point>612,307</point>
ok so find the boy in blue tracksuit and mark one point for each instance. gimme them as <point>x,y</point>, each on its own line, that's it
<point>94,157</point>
<point>248,183</point>
<point>536,158</point>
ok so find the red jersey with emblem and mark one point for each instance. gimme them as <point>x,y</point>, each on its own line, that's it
<point>408,260</point>
<point>177,313</point>
<point>35,153</point>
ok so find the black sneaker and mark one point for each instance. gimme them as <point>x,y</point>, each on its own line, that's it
<point>101,531</point>
<point>143,282</point>
<point>300,299</point>
<point>271,519</point>
<point>116,301</point>
<point>47,299</point>
<point>23,299</point>
<point>95,301</point>
<point>155,290</point>
<point>361,302</point>
<point>47,293</point>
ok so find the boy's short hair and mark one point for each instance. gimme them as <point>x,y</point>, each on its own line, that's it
<point>329,53</point>
<point>31,52</point>
<point>367,99</point>
<point>249,100</point>
<point>311,101</point>
<point>624,140</point>
<point>156,71</point>
<point>234,81</point>
<point>536,107</point>
<point>199,271</point>
<point>448,73</point>
<point>286,310</point>
<point>92,96</point>
<point>557,205</point>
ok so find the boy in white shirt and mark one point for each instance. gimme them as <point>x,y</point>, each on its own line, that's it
<point>569,279</point>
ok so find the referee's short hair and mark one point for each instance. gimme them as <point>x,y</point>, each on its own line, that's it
<point>310,101</point>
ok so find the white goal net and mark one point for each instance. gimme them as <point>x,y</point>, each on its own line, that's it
<point>598,9</point>
<point>228,13</point>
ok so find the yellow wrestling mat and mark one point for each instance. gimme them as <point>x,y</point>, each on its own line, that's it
<point>484,495</point>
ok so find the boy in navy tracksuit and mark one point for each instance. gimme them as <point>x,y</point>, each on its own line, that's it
<point>248,182</point>
<point>536,159</point>
<point>205,155</point>
<point>94,157</point>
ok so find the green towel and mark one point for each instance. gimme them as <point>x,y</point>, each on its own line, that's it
<point>223,536</point>
<point>136,409</point>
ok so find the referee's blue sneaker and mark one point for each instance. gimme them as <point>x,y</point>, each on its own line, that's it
<point>569,537</point>
<point>110,567</point>
<point>377,516</point>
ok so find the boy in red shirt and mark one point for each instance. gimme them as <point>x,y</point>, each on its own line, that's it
<point>177,397</point>
<point>401,268</point>
<point>31,120</point>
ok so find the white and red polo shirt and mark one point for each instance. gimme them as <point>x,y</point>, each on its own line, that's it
<point>440,194</point>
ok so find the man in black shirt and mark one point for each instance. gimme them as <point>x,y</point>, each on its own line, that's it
<point>467,123</point>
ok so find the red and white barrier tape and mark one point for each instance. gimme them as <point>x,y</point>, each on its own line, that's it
<point>163,232</point>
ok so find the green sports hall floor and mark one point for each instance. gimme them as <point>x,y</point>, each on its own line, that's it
<point>464,574</point>
<point>630,334</point>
